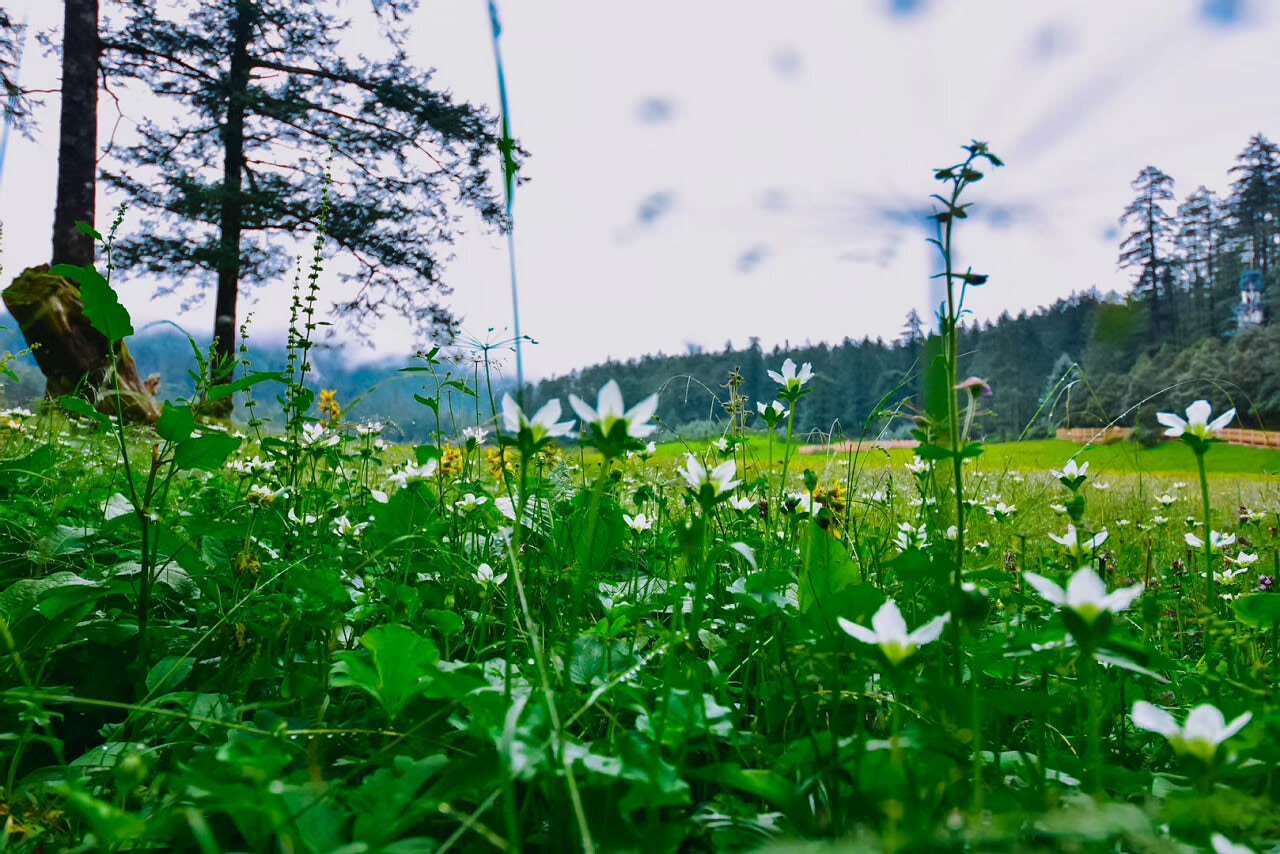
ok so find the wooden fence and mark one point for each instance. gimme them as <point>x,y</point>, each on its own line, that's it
<point>1231,435</point>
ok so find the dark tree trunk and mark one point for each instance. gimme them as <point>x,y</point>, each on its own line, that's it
<point>78,135</point>
<point>74,356</point>
<point>232,217</point>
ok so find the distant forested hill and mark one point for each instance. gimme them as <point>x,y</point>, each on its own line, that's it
<point>1084,360</point>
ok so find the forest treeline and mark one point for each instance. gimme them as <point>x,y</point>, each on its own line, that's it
<point>1185,330</point>
<point>1193,325</point>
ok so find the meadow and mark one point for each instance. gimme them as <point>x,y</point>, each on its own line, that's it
<point>549,633</point>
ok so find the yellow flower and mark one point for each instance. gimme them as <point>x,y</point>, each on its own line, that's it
<point>329,406</point>
<point>497,465</point>
<point>451,462</point>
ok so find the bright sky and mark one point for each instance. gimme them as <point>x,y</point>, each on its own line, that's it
<point>706,172</point>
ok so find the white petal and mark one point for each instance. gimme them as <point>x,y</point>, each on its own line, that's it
<point>1122,598</point>
<point>1223,845</point>
<point>858,632</point>
<point>1175,424</point>
<point>1205,723</point>
<point>722,474</point>
<point>547,415</point>
<point>806,372</point>
<point>1154,719</point>
<point>1199,412</point>
<point>777,378</point>
<point>789,370</point>
<point>1086,588</point>
<point>1236,725</point>
<point>1046,588</point>
<point>930,631</point>
<point>1222,420</point>
<point>643,411</point>
<point>1193,541</point>
<point>609,403</point>
<point>585,412</point>
<point>888,623</point>
<point>510,414</point>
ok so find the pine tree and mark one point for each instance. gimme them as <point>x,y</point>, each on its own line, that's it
<point>1255,201</point>
<point>1199,244</point>
<point>274,105</point>
<point>15,110</point>
<point>1144,247</point>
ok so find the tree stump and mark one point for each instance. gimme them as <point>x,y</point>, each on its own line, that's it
<point>75,357</point>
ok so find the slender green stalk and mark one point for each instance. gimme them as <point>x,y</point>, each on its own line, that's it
<point>1210,598</point>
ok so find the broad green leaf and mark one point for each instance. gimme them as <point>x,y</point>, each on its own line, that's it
<point>169,672</point>
<point>388,801</point>
<point>220,391</point>
<point>101,305</point>
<point>399,665</point>
<point>112,827</point>
<point>1260,610</point>
<point>81,407</point>
<point>176,422</point>
<point>828,567</point>
<point>86,228</point>
<point>206,452</point>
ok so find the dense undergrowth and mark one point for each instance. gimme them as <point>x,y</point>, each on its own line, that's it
<point>311,641</point>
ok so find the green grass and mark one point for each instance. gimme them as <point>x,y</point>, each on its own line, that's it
<point>1116,459</point>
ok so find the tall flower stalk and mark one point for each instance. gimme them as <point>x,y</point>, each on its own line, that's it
<point>1198,432</point>
<point>942,373</point>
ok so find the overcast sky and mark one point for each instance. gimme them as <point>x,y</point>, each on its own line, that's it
<point>705,170</point>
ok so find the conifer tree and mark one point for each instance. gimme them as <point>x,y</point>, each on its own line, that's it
<point>1144,246</point>
<point>272,102</point>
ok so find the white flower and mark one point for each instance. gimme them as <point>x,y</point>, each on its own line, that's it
<point>1001,509</point>
<point>889,632</point>
<point>638,522</point>
<point>1223,845</point>
<point>1217,541</point>
<point>1101,484</point>
<point>1165,500</point>
<point>343,527</point>
<point>909,536</point>
<point>720,478</point>
<point>307,519</point>
<point>790,379</point>
<point>1086,594</point>
<point>1204,731</point>
<point>1197,422</point>
<point>610,410</point>
<point>721,444</point>
<point>1071,469</point>
<point>776,408</point>
<point>1071,541</point>
<point>543,425</point>
<point>318,436</point>
<point>469,503</point>
<point>1228,576</point>
<point>475,435</point>
<point>413,473</point>
<point>741,503</point>
<point>804,503</point>
<point>918,465</point>
<point>1244,559</point>
<point>484,575</point>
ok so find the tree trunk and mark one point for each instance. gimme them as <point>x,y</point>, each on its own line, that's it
<point>75,357</point>
<point>232,217</point>
<point>78,135</point>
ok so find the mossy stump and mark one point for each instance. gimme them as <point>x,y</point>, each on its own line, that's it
<point>75,357</point>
